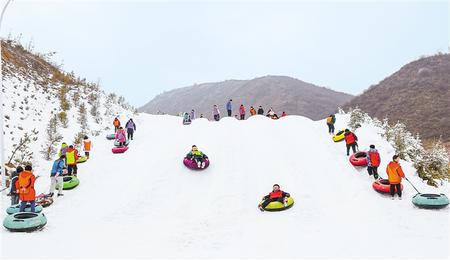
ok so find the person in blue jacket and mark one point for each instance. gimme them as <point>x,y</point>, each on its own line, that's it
<point>229,107</point>
<point>56,176</point>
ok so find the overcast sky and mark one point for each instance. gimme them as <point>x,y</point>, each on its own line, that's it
<point>138,49</point>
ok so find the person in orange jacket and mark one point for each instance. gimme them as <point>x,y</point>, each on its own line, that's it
<point>395,175</point>
<point>25,189</point>
<point>252,111</point>
<point>350,141</point>
<point>87,144</point>
<point>116,124</point>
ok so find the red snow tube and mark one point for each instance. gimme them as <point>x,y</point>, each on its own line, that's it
<point>191,164</point>
<point>120,149</point>
<point>383,186</point>
<point>359,159</point>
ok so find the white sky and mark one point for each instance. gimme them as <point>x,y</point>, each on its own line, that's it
<point>138,49</point>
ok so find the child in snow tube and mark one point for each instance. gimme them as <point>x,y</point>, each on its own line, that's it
<point>276,200</point>
<point>196,159</point>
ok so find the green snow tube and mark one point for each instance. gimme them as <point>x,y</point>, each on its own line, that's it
<point>15,208</point>
<point>126,143</point>
<point>430,201</point>
<point>69,182</point>
<point>278,206</point>
<point>82,159</point>
<point>25,221</point>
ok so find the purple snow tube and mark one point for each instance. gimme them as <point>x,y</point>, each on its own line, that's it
<point>191,164</point>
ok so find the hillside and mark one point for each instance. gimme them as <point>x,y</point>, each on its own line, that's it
<point>282,93</point>
<point>417,95</point>
<point>35,91</point>
<point>146,204</point>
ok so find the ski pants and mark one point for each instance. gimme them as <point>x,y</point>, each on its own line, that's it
<point>373,171</point>
<point>399,189</point>
<point>56,181</point>
<point>72,168</point>
<point>243,117</point>
<point>269,200</point>
<point>229,112</point>
<point>14,199</point>
<point>86,153</point>
<point>353,146</point>
<point>330,128</point>
<point>130,133</point>
<point>23,205</point>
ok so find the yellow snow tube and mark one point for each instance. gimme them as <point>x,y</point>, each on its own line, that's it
<point>278,206</point>
<point>82,159</point>
<point>339,136</point>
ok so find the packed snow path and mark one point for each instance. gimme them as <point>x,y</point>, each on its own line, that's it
<point>145,203</point>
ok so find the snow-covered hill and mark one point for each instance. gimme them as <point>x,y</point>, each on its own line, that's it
<point>145,203</point>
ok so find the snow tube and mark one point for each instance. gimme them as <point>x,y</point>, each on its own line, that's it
<point>15,208</point>
<point>339,136</point>
<point>358,159</point>
<point>191,164</point>
<point>44,200</point>
<point>111,136</point>
<point>69,182</point>
<point>430,201</point>
<point>82,159</point>
<point>383,186</point>
<point>278,206</point>
<point>25,221</point>
<point>117,144</point>
<point>120,149</point>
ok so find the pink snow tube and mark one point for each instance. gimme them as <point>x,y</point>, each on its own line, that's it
<point>359,159</point>
<point>191,164</point>
<point>120,149</point>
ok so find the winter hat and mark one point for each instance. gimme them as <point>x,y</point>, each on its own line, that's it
<point>19,169</point>
<point>28,168</point>
<point>276,185</point>
<point>85,137</point>
<point>346,130</point>
<point>372,146</point>
<point>395,157</point>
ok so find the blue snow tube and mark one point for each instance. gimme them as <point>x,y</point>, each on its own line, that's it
<point>24,221</point>
<point>15,208</point>
<point>430,201</point>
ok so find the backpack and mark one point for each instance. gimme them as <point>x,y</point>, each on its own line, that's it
<point>329,120</point>
<point>24,182</point>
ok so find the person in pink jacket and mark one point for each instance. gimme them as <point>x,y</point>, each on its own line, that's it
<point>121,136</point>
<point>242,112</point>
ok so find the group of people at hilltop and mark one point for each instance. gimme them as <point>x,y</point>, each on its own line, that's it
<point>188,117</point>
<point>393,169</point>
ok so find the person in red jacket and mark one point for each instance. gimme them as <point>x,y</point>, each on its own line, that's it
<point>242,112</point>
<point>25,189</point>
<point>395,175</point>
<point>350,141</point>
<point>275,195</point>
<point>283,114</point>
<point>373,161</point>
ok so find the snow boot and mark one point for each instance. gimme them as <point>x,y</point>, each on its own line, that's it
<point>261,208</point>
<point>50,194</point>
<point>199,164</point>
<point>203,165</point>
<point>59,195</point>
<point>392,198</point>
<point>400,198</point>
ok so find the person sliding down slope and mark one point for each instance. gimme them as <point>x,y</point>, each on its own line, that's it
<point>121,136</point>
<point>186,118</point>
<point>197,156</point>
<point>275,195</point>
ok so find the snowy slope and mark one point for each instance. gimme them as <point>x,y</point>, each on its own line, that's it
<point>145,203</point>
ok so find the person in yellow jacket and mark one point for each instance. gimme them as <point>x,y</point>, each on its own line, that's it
<point>87,144</point>
<point>71,160</point>
<point>395,175</point>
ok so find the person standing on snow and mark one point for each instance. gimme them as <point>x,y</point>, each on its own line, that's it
<point>373,159</point>
<point>116,124</point>
<point>275,195</point>
<point>260,110</point>
<point>13,190</point>
<point>395,175</point>
<point>131,127</point>
<point>121,136</point>
<point>56,176</point>
<point>330,123</point>
<point>192,114</point>
<point>216,113</point>
<point>229,107</point>
<point>283,114</point>
<point>350,141</point>
<point>25,188</point>
<point>252,111</point>
<point>242,112</point>
<point>87,144</point>
<point>71,160</point>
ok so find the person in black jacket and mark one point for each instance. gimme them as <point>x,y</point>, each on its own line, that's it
<point>14,195</point>
<point>260,110</point>
<point>275,195</point>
